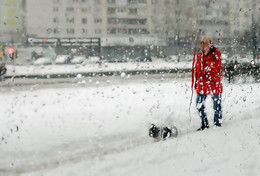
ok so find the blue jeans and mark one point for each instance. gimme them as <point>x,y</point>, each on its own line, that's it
<point>216,106</point>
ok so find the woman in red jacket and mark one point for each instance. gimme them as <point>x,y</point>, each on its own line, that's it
<point>208,76</point>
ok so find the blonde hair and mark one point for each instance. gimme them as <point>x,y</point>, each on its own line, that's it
<point>206,39</point>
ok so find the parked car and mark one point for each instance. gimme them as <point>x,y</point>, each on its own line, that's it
<point>94,59</point>
<point>224,62</point>
<point>43,61</point>
<point>2,69</point>
<point>144,59</point>
<point>35,55</point>
<point>173,58</point>
<point>224,59</point>
<point>235,58</point>
<point>224,56</point>
<point>78,60</point>
<point>242,66</point>
<point>186,57</point>
<point>63,59</point>
<point>116,59</point>
<point>257,60</point>
<point>239,59</point>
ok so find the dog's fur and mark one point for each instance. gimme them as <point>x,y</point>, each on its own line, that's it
<point>159,133</point>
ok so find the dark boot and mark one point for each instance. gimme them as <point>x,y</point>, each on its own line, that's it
<point>204,124</point>
<point>217,124</point>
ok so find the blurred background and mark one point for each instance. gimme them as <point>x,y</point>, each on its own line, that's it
<point>118,29</point>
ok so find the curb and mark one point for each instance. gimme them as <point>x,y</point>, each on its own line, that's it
<point>102,73</point>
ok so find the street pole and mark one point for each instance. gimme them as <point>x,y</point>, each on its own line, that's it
<point>254,39</point>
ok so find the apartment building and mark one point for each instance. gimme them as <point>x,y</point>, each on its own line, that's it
<point>65,18</point>
<point>116,22</point>
<point>11,21</point>
<point>212,19</point>
<point>226,20</point>
<point>87,18</point>
<point>243,14</point>
<point>126,17</point>
<point>127,22</point>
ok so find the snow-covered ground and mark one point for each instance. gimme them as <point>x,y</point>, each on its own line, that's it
<point>101,128</point>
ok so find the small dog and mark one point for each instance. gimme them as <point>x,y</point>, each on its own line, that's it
<point>163,132</point>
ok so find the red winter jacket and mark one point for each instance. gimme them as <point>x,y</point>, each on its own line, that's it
<point>208,73</point>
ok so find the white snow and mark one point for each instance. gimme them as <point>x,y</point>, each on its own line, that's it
<point>100,127</point>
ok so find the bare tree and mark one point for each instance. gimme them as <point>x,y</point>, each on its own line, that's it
<point>179,22</point>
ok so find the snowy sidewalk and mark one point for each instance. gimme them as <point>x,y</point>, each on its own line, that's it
<point>103,130</point>
<point>54,71</point>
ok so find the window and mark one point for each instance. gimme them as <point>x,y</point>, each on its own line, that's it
<point>111,10</point>
<point>132,1</point>
<point>112,20</point>
<point>122,31</point>
<point>70,31</point>
<point>84,31</point>
<point>55,9</point>
<point>225,13</point>
<point>97,20</point>
<point>56,20</point>
<point>121,10</point>
<point>142,1</point>
<point>111,31</point>
<point>84,20</point>
<point>132,11</point>
<point>84,9</point>
<point>142,31</point>
<point>56,1</point>
<point>98,31</point>
<point>111,1</point>
<point>70,20</point>
<point>69,9</point>
<point>132,31</point>
<point>154,1</point>
<point>142,21</point>
<point>56,30</point>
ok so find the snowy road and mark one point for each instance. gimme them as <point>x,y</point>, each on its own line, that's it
<point>71,70</point>
<point>83,81</point>
<point>89,126</point>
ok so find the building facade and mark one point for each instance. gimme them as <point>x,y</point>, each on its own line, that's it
<point>162,23</point>
<point>65,18</point>
<point>12,17</point>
